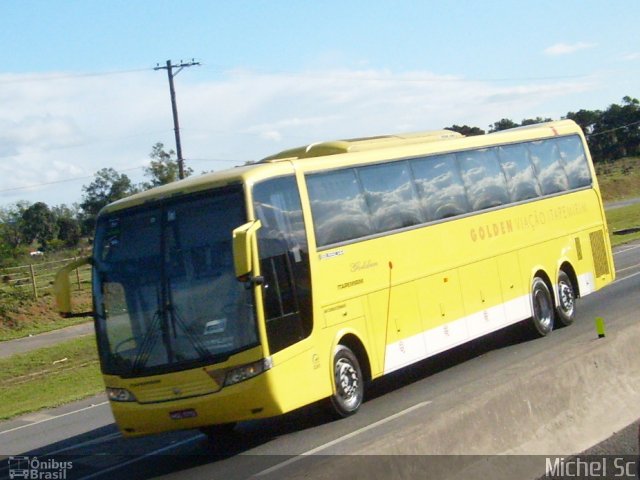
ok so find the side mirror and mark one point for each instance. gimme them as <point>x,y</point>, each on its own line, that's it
<point>62,286</point>
<point>243,241</point>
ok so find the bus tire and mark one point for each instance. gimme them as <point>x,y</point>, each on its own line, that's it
<point>348,383</point>
<point>542,308</point>
<point>566,310</point>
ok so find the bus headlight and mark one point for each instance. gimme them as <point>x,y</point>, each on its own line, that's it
<point>120,395</point>
<point>245,372</point>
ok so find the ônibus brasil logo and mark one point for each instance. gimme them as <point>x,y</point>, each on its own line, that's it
<point>32,468</point>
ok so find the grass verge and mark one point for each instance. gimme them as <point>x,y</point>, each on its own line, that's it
<point>49,377</point>
<point>619,180</point>
<point>623,218</point>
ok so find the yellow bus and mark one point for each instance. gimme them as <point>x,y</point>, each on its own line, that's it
<point>251,292</point>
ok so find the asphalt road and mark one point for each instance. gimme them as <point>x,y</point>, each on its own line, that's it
<point>26,344</point>
<point>622,203</point>
<point>84,432</point>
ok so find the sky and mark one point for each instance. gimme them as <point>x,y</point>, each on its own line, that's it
<point>78,89</point>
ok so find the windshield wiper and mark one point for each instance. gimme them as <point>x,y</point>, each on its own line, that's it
<point>148,342</point>
<point>150,337</point>
<point>197,344</point>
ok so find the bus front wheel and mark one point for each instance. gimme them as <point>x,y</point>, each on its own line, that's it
<point>348,382</point>
<point>542,308</point>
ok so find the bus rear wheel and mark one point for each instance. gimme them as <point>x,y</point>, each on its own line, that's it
<point>542,308</point>
<point>566,310</point>
<point>348,383</point>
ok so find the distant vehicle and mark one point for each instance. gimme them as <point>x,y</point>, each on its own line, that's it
<point>251,292</point>
<point>36,253</point>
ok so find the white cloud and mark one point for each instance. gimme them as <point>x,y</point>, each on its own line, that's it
<point>630,56</point>
<point>52,130</point>
<point>271,135</point>
<point>565,48</point>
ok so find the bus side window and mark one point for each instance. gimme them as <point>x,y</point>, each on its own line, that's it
<point>517,167</point>
<point>390,194</point>
<point>440,187</point>
<point>546,160</point>
<point>483,178</point>
<point>284,262</point>
<point>574,161</point>
<point>338,207</point>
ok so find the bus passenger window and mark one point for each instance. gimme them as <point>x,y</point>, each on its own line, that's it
<point>390,194</point>
<point>439,186</point>
<point>338,207</point>
<point>574,161</point>
<point>483,178</point>
<point>517,167</point>
<point>546,160</point>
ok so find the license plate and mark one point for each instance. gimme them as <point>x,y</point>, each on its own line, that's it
<point>180,414</point>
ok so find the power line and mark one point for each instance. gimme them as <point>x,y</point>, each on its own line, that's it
<point>222,160</point>
<point>359,75</point>
<point>614,129</point>
<point>86,177</point>
<point>65,180</point>
<point>35,77</point>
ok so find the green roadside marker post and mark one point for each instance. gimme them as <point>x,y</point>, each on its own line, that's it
<point>600,327</point>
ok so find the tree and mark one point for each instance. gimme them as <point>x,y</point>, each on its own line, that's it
<point>618,130</point>
<point>163,168</point>
<point>466,130</point>
<point>585,118</point>
<point>69,225</point>
<point>533,121</point>
<point>107,186</point>
<point>69,231</point>
<point>39,223</point>
<point>11,224</point>
<point>612,133</point>
<point>503,124</point>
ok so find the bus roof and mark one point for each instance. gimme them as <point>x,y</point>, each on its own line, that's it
<point>407,144</point>
<point>321,149</point>
<point>182,187</point>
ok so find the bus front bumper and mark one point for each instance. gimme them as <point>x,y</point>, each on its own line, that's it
<point>247,400</point>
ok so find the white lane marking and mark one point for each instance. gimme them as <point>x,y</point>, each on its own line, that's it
<point>53,418</point>
<point>134,460</point>
<point>340,439</point>
<point>627,277</point>
<point>628,268</point>
<point>36,417</point>
<point>627,249</point>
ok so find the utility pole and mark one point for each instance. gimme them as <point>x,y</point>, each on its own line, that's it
<point>176,126</point>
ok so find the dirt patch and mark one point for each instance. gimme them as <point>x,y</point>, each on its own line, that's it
<point>22,316</point>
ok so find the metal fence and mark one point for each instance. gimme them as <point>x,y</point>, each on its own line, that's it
<point>38,277</point>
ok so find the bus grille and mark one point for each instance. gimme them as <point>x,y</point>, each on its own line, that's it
<point>182,390</point>
<point>598,250</point>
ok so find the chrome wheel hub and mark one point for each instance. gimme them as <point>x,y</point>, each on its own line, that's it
<point>543,309</point>
<point>566,298</point>
<point>347,381</point>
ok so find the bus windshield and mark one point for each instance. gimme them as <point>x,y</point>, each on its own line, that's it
<point>165,291</point>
